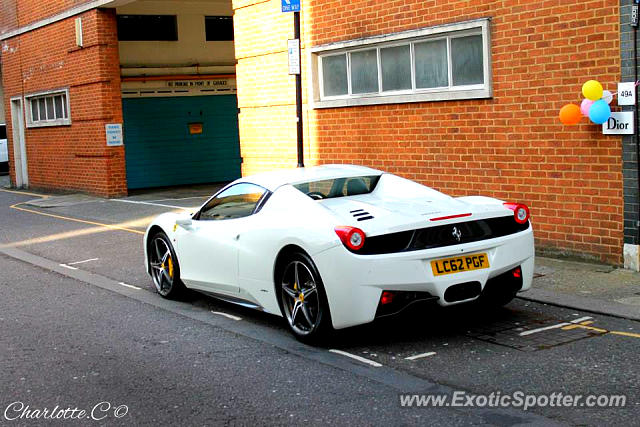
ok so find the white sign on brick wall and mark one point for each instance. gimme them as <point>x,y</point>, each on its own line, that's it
<point>114,134</point>
<point>620,123</point>
<point>627,93</point>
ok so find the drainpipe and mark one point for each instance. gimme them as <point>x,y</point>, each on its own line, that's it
<point>634,24</point>
<point>296,29</point>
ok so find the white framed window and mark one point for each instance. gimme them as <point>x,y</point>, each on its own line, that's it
<point>450,61</point>
<point>49,108</point>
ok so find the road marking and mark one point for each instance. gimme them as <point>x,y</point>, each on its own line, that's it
<point>546,328</point>
<point>180,198</point>
<point>68,266</point>
<point>151,204</point>
<point>559,325</point>
<point>82,262</point>
<point>356,357</point>
<point>420,356</point>
<point>129,286</point>
<point>227,315</point>
<point>25,193</point>
<point>625,334</point>
<point>603,331</point>
<point>82,221</point>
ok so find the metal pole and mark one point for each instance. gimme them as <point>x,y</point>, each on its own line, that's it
<point>296,32</point>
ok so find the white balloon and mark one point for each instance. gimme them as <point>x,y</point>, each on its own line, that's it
<point>607,96</point>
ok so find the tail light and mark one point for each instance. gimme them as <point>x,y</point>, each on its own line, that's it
<point>387,297</point>
<point>520,212</point>
<point>351,237</point>
<point>517,273</point>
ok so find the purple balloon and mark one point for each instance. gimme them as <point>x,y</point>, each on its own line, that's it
<point>585,106</point>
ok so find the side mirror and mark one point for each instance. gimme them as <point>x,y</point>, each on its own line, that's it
<point>184,222</point>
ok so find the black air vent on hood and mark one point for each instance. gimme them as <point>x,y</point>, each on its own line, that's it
<point>361,214</point>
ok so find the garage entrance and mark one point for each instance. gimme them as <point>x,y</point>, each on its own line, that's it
<point>176,140</point>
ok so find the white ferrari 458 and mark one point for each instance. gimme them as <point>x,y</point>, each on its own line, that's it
<point>334,246</point>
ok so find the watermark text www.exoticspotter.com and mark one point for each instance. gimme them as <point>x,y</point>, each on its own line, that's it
<point>17,411</point>
<point>517,399</point>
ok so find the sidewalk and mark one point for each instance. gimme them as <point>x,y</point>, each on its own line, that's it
<point>596,288</point>
<point>583,286</point>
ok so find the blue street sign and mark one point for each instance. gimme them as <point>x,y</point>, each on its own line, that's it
<point>290,5</point>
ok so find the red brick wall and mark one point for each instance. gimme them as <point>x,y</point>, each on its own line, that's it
<point>30,11</point>
<point>71,157</point>
<point>511,146</point>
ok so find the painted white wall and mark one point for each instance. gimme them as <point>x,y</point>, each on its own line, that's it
<point>191,48</point>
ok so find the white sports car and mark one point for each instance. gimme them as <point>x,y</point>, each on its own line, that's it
<point>338,245</point>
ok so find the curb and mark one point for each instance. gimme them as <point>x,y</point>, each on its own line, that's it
<point>591,305</point>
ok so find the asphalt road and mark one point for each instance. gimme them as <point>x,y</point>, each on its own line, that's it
<point>78,334</point>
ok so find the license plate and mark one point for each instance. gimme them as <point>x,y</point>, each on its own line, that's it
<point>441,267</point>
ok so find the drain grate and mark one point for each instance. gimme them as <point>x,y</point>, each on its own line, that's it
<point>506,332</point>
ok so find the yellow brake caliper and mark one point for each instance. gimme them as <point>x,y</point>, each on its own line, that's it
<point>170,261</point>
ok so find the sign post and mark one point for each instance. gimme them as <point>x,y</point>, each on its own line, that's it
<point>293,49</point>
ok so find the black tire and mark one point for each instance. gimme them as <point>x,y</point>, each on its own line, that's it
<point>311,321</point>
<point>164,267</point>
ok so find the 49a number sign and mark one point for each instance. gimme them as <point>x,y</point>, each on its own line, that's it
<point>627,93</point>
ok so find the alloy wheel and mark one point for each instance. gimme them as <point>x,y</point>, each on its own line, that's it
<point>300,298</point>
<point>162,265</point>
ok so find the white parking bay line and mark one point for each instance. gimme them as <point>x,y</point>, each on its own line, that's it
<point>68,266</point>
<point>559,325</point>
<point>358,358</point>
<point>546,328</point>
<point>151,204</point>
<point>420,356</point>
<point>82,262</point>
<point>227,315</point>
<point>126,285</point>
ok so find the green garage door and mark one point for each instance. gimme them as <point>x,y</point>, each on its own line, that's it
<point>163,145</point>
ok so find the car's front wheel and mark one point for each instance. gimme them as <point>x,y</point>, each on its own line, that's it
<point>303,300</point>
<point>164,266</point>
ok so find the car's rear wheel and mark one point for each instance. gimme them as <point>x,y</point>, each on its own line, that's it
<point>303,300</point>
<point>165,270</point>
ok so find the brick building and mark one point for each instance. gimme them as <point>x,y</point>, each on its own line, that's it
<point>462,96</point>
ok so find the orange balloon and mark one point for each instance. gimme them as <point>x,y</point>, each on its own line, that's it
<point>570,114</point>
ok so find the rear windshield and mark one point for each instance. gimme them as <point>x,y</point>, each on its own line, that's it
<point>339,187</point>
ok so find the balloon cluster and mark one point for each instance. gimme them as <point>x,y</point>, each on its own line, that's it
<point>595,105</point>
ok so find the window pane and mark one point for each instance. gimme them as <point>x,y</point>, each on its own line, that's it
<point>364,71</point>
<point>147,28</point>
<point>431,64</point>
<point>466,60</point>
<point>218,28</point>
<point>334,75</point>
<point>34,110</point>
<point>339,187</point>
<point>235,202</point>
<point>58,102</point>
<point>50,111</point>
<point>43,109</point>
<point>396,68</point>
